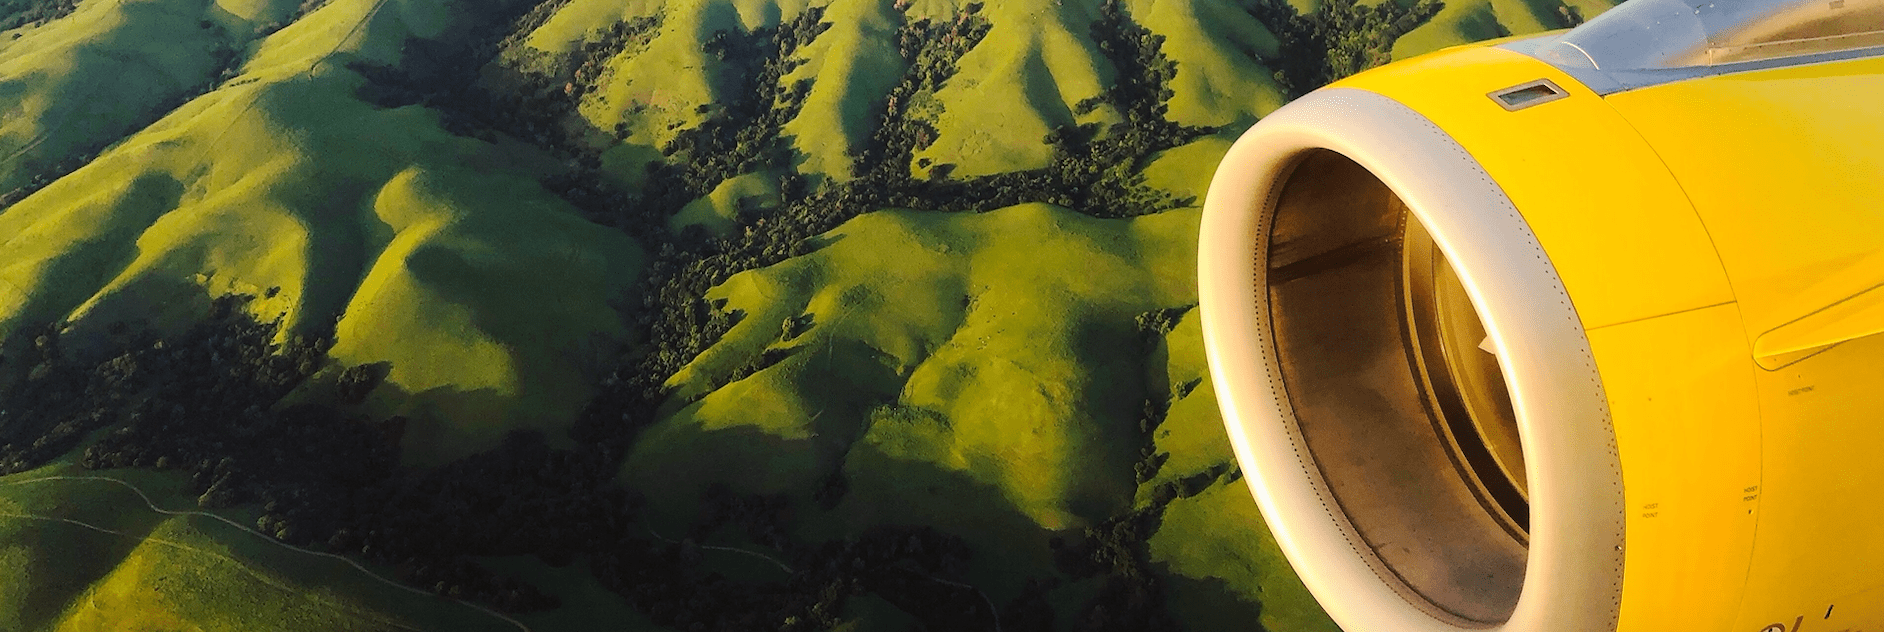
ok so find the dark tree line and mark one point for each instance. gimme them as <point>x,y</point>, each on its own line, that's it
<point>1340,38</point>
<point>1131,597</point>
<point>213,402</point>
<point>210,401</point>
<point>930,50</point>
<point>54,396</point>
<point>444,74</point>
<point>1091,171</point>
<point>17,13</point>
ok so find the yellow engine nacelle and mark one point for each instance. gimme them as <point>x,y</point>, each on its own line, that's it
<point>1572,332</point>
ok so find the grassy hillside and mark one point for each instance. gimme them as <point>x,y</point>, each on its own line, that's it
<point>652,315</point>
<point>958,342</point>
<point>406,243</point>
<point>954,370</point>
<point>1464,21</point>
<point>86,552</point>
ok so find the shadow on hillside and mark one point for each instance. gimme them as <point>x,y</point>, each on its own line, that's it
<point>94,262</point>
<point>1209,604</point>
<point>63,560</point>
<point>1008,546</point>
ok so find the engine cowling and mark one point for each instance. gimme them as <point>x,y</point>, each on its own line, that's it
<point>1571,332</point>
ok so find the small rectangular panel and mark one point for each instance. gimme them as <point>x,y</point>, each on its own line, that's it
<point>1614,221</point>
<point>1681,392</point>
<point>1527,94</point>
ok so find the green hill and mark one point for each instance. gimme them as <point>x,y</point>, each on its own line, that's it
<point>688,315</point>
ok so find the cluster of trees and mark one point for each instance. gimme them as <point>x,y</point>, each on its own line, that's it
<point>17,13</point>
<point>223,401</point>
<point>931,51</point>
<point>1090,173</point>
<point>901,564</point>
<point>1153,327</point>
<point>1093,171</point>
<point>742,134</point>
<point>592,58</point>
<point>213,401</point>
<point>548,87</point>
<point>1131,596</point>
<point>1340,38</point>
<point>62,392</point>
<point>536,100</point>
<point>1100,173</point>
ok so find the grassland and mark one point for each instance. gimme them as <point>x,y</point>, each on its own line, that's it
<point>692,315</point>
<point>958,371</point>
<point>1464,21</point>
<point>961,343</point>
<point>408,244</point>
<point>86,553</point>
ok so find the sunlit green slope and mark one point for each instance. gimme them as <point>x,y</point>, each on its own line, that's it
<point>983,346</point>
<point>1464,21</point>
<point>438,253</point>
<point>987,374</point>
<point>1028,73</point>
<point>691,314</point>
<point>77,83</point>
<point>86,553</point>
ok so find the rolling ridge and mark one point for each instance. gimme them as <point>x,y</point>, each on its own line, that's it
<point>894,293</point>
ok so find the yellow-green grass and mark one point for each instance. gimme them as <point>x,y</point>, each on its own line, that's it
<point>657,90</point>
<point>976,372</point>
<point>1467,21</point>
<point>1039,60</point>
<point>1185,171</point>
<point>582,21</point>
<point>718,213</point>
<point>1221,564</point>
<point>87,554</point>
<point>90,78</point>
<point>1222,55</point>
<point>870,613</point>
<point>489,295</point>
<point>853,65</point>
<point>1036,63</point>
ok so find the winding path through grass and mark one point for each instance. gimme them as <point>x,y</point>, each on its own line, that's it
<point>153,507</point>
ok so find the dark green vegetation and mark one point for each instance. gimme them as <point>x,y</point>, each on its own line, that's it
<point>696,315</point>
<point>16,13</point>
<point>1338,38</point>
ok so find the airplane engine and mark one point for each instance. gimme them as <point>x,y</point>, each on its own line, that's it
<point>1571,332</point>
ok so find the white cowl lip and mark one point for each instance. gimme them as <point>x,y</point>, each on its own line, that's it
<point>1573,572</point>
